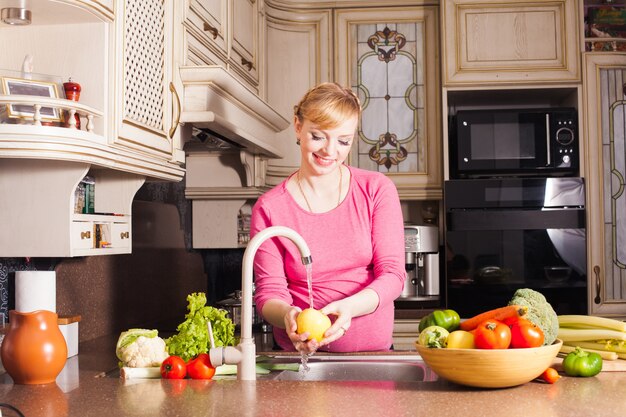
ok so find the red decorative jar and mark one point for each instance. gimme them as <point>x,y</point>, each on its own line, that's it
<point>34,350</point>
<point>72,92</point>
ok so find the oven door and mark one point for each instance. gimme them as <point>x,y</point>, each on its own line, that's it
<point>506,234</point>
<point>500,142</point>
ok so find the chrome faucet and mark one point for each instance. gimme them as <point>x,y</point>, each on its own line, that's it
<point>244,355</point>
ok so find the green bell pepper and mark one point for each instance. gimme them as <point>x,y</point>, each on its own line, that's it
<point>582,363</point>
<point>448,319</point>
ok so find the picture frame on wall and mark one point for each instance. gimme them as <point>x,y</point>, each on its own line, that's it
<point>21,86</point>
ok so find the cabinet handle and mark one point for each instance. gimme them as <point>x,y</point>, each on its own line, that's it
<point>246,63</point>
<point>85,235</point>
<point>124,235</point>
<point>211,29</point>
<point>176,122</point>
<point>596,272</point>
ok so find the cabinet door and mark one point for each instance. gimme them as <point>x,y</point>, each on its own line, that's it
<point>147,104</point>
<point>605,111</point>
<point>205,24</point>
<point>389,56</point>
<point>494,41</point>
<point>244,45</point>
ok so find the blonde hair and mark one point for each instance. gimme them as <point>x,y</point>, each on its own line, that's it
<point>327,105</point>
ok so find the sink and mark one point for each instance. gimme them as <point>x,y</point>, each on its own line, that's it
<point>358,369</point>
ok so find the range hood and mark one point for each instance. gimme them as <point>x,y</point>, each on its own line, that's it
<point>216,101</point>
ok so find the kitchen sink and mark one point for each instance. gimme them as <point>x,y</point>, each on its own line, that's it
<point>357,368</point>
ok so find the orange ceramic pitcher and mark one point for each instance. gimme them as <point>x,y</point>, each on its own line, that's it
<point>34,350</point>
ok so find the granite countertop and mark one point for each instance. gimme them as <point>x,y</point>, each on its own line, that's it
<point>89,386</point>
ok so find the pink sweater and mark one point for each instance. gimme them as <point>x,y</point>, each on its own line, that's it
<point>357,245</point>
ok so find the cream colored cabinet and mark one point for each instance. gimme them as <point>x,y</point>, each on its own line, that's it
<point>604,82</point>
<point>205,23</point>
<point>148,105</point>
<point>227,33</point>
<point>123,54</point>
<point>389,57</point>
<point>244,58</point>
<point>494,41</point>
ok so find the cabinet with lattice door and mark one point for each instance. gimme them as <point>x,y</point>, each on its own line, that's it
<point>147,84</point>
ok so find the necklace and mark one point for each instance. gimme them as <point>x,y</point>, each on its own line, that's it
<point>306,200</point>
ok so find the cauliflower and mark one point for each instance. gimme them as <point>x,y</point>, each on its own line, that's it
<point>141,348</point>
<point>540,312</point>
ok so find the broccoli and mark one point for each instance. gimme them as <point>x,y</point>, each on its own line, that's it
<point>540,312</point>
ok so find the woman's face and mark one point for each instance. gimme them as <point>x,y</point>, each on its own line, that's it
<point>325,149</point>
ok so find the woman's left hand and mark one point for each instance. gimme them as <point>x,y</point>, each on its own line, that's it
<point>343,310</point>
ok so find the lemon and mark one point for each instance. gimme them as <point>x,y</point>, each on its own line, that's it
<point>314,322</point>
<point>461,339</point>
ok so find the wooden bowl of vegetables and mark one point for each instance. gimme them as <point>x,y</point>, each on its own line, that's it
<point>495,368</point>
<point>499,348</point>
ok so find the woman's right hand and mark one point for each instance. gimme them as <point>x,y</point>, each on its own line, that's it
<point>299,340</point>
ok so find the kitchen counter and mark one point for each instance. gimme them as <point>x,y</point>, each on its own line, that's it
<point>88,386</point>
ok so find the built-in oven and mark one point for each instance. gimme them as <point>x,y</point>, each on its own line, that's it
<point>508,233</point>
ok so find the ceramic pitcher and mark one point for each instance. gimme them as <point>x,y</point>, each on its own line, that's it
<point>34,350</point>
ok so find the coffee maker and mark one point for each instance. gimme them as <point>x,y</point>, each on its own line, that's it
<point>421,253</point>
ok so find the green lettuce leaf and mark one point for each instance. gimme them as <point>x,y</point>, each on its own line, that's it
<point>193,335</point>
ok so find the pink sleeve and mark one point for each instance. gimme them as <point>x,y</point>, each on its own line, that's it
<point>269,271</point>
<point>387,243</point>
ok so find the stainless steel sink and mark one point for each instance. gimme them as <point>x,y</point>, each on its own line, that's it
<point>359,369</point>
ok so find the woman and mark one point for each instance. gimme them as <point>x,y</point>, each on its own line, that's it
<point>352,222</point>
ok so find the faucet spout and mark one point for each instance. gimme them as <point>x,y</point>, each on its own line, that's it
<point>246,362</point>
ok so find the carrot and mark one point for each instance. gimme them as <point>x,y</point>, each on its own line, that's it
<point>500,314</point>
<point>550,376</point>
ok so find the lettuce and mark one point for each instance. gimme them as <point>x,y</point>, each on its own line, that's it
<point>193,335</point>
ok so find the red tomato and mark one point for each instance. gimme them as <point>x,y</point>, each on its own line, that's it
<point>525,334</point>
<point>173,368</point>
<point>492,334</point>
<point>200,367</point>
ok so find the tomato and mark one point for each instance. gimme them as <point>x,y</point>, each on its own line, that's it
<point>173,367</point>
<point>200,367</point>
<point>524,333</point>
<point>492,334</point>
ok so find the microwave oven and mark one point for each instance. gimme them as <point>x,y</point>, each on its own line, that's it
<point>514,142</point>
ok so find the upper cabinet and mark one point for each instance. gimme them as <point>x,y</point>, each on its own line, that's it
<point>389,57</point>
<point>124,56</point>
<point>495,41</point>
<point>147,83</point>
<point>228,33</point>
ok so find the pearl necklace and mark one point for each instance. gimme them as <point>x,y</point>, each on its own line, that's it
<point>306,200</point>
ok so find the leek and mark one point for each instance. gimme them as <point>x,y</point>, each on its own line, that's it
<point>609,356</point>
<point>591,322</point>
<point>577,335</point>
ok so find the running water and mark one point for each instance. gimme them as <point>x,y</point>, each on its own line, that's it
<point>304,357</point>
<point>309,282</point>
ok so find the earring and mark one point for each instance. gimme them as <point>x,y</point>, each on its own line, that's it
<point>298,141</point>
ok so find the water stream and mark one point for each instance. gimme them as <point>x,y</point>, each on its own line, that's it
<point>304,358</point>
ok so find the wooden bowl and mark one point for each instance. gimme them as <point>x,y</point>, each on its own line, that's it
<point>487,368</point>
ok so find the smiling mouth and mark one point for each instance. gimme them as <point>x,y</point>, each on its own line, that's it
<point>324,161</point>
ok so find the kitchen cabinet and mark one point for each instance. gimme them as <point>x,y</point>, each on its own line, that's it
<point>389,56</point>
<point>123,54</point>
<point>495,42</point>
<point>298,55</point>
<point>147,83</point>
<point>604,80</point>
<point>228,33</point>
